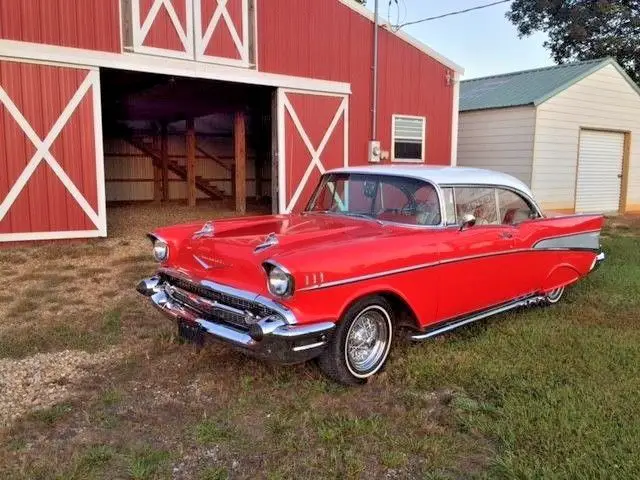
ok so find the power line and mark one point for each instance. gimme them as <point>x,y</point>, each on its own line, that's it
<point>457,12</point>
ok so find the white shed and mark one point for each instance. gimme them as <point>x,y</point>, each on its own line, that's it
<point>571,132</point>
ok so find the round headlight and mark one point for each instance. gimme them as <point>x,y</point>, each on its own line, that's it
<point>160,251</point>
<point>279,282</point>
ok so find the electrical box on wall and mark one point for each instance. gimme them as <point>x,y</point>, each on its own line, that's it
<point>374,151</point>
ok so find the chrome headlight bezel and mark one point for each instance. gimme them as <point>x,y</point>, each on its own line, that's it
<point>280,282</point>
<point>160,249</point>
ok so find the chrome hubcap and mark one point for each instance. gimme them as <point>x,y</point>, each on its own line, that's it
<point>554,295</point>
<point>367,340</point>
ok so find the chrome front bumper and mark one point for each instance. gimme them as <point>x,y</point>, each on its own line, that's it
<point>275,337</point>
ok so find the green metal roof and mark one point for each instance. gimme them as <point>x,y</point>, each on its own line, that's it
<point>528,87</point>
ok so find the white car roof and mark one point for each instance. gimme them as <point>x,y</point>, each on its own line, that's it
<point>442,175</point>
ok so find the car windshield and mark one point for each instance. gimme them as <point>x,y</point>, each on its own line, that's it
<point>386,198</point>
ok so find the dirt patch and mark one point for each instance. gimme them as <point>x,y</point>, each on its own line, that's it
<point>44,380</point>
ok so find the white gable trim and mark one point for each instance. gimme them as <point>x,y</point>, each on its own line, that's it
<point>169,66</point>
<point>365,12</point>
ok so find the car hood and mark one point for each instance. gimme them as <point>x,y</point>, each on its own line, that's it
<point>235,251</point>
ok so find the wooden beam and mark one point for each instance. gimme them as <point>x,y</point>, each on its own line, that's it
<point>164,156</point>
<point>191,163</point>
<point>240,150</point>
<point>213,157</point>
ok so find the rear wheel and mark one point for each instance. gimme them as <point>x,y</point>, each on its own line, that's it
<point>360,346</point>
<point>554,296</point>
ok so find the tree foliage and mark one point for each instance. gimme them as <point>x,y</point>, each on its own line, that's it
<point>584,29</point>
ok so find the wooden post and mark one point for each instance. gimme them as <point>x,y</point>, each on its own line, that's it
<point>157,173</point>
<point>191,163</point>
<point>258,168</point>
<point>240,141</point>
<point>164,155</point>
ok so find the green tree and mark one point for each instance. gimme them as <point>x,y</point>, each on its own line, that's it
<point>584,29</point>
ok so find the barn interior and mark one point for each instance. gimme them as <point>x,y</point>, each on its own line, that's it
<point>179,139</point>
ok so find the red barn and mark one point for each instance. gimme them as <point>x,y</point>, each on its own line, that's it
<point>133,100</point>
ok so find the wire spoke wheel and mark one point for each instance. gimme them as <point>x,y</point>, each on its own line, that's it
<point>367,342</point>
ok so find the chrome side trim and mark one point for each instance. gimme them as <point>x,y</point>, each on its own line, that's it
<point>453,324</point>
<point>583,241</point>
<point>411,268</point>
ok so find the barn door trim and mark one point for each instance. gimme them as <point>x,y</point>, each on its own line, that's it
<point>141,28</point>
<point>43,153</point>
<point>222,16</point>
<point>284,106</point>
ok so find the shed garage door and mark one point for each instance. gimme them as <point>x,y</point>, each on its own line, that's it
<point>599,171</point>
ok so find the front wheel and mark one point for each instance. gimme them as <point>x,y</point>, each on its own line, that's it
<point>360,346</point>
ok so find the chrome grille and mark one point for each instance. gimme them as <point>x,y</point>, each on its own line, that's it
<point>215,305</point>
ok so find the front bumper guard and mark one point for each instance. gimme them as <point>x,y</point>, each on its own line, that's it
<point>272,338</point>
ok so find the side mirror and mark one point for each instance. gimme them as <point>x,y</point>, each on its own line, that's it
<point>468,221</point>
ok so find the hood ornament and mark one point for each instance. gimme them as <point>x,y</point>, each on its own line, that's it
<point>269,242</point>
<point>207,231</point>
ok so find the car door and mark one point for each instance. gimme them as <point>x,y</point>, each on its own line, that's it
<point>477,269</point>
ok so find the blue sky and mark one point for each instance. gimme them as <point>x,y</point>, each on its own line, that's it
<point>484,42</point>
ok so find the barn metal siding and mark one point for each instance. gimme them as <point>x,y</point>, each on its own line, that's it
<point>88,24</point>
<point>329,41</point>
<point>40,93</point>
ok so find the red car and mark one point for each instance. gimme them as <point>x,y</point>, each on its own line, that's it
<point>377,249</point>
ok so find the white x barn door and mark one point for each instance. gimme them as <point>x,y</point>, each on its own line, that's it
<point>313,137</point>
<point>222,31</point>
<point>163,27</point>
<point>51,160</point>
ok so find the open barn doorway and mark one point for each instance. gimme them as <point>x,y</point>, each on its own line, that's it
<point>186,140</point>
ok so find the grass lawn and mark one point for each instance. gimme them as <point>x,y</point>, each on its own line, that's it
<point>104,390</point>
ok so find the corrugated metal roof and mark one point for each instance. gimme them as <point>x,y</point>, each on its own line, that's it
<point>528,87</point>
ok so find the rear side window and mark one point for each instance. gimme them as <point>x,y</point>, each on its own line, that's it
<point>479,202</point>
<point>513,208</point>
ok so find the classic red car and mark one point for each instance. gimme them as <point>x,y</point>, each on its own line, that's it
<point>378,249</point>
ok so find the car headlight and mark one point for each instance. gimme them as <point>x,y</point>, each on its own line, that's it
<point>160,251</point>
<point>280,282</point>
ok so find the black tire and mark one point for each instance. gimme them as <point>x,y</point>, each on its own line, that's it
<point>335,361</point>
